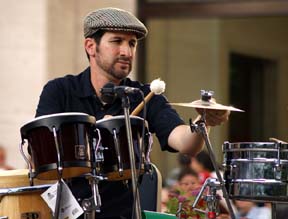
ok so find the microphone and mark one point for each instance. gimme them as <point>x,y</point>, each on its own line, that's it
<point>109,91</point>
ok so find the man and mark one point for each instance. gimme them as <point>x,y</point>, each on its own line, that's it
<point>111,37</point>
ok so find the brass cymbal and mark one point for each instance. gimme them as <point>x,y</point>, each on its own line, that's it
<point>202,104</point>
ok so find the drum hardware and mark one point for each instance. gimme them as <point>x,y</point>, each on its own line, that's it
<point>99,156</point>
<point>22,190</point>
<point>137,207</point>
<point>212,199</point>
<point>200,127</point>
<point>180,212</point>
<point>278,166</point>
<point>150,143</point>
<point>117,149</point>
<point>98,147</point>
<point>28,163</point>
<point>93,204</point>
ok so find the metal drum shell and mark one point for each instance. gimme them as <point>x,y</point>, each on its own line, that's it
<point>256,170</point>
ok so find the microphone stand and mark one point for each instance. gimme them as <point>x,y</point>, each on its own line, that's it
<point>126,106</point>
<point>200,127</point>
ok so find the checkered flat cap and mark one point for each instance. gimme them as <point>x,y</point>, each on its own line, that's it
<point>113,19</point>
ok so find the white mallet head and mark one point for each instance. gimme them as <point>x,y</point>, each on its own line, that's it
<point>157,86</point>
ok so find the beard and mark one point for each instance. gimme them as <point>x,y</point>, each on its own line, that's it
<point>110,66</point>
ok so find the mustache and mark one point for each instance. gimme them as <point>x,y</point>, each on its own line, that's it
<point>125,59</point>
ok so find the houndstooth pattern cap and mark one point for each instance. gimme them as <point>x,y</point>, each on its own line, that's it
<point>113,19</point>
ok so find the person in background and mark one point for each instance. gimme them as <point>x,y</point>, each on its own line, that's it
<point>202,164</point>
<point>183,194</point>
<point>250,210</point>
<point>184,161</point>
<point>3,155</point>
<point>188,182</point>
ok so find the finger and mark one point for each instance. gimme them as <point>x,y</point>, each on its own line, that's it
<point>214,118</point>
<point>219,114</point>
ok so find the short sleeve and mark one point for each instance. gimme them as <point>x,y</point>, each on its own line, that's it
<point>162,120</point>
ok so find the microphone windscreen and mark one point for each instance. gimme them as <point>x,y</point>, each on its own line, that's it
<point>107,93</point>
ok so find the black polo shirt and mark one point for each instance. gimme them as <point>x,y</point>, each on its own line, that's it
<point>76,94</point>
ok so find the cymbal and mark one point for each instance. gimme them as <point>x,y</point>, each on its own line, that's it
<point>202,104</point>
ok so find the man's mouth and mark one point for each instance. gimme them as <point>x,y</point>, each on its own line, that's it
<point>124,62</point>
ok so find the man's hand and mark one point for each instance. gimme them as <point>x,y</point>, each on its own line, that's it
<point>215,117</point>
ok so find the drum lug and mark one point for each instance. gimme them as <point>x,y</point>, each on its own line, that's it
<point>278,171</point>
<point>117,150</point>
<point>278,165</point>
<point>99,156</point>
<point>150,143</point>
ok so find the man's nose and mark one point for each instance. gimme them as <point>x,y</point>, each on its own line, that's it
<point>126,50</point>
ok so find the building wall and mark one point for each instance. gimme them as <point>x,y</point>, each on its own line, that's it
<point>40,40</point>
<point>193,54</point>
<point>23,58</point>
<point>185,54</point>
<point>265,38</point>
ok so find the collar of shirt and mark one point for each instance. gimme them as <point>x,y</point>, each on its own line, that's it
<point>85,88</point>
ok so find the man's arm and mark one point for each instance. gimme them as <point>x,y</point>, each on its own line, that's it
<point>185,141</point>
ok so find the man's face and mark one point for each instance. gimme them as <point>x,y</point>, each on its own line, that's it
<point>115,54</point>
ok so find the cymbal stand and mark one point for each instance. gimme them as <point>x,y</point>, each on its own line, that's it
<point>212,199</point>
<point>200,127</point>
<point>126,106</point>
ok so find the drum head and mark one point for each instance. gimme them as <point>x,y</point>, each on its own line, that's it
<point>27,204</point>
<point>56,120</point>
<point>117,122</point>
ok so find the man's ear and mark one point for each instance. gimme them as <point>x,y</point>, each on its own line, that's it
<point>90,46</point>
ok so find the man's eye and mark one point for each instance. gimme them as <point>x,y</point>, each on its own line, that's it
<point>116,41</point>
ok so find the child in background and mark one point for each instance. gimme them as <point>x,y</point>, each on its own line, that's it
<point>184,194</point>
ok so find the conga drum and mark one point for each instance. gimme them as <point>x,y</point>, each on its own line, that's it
<point>19,200</point>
